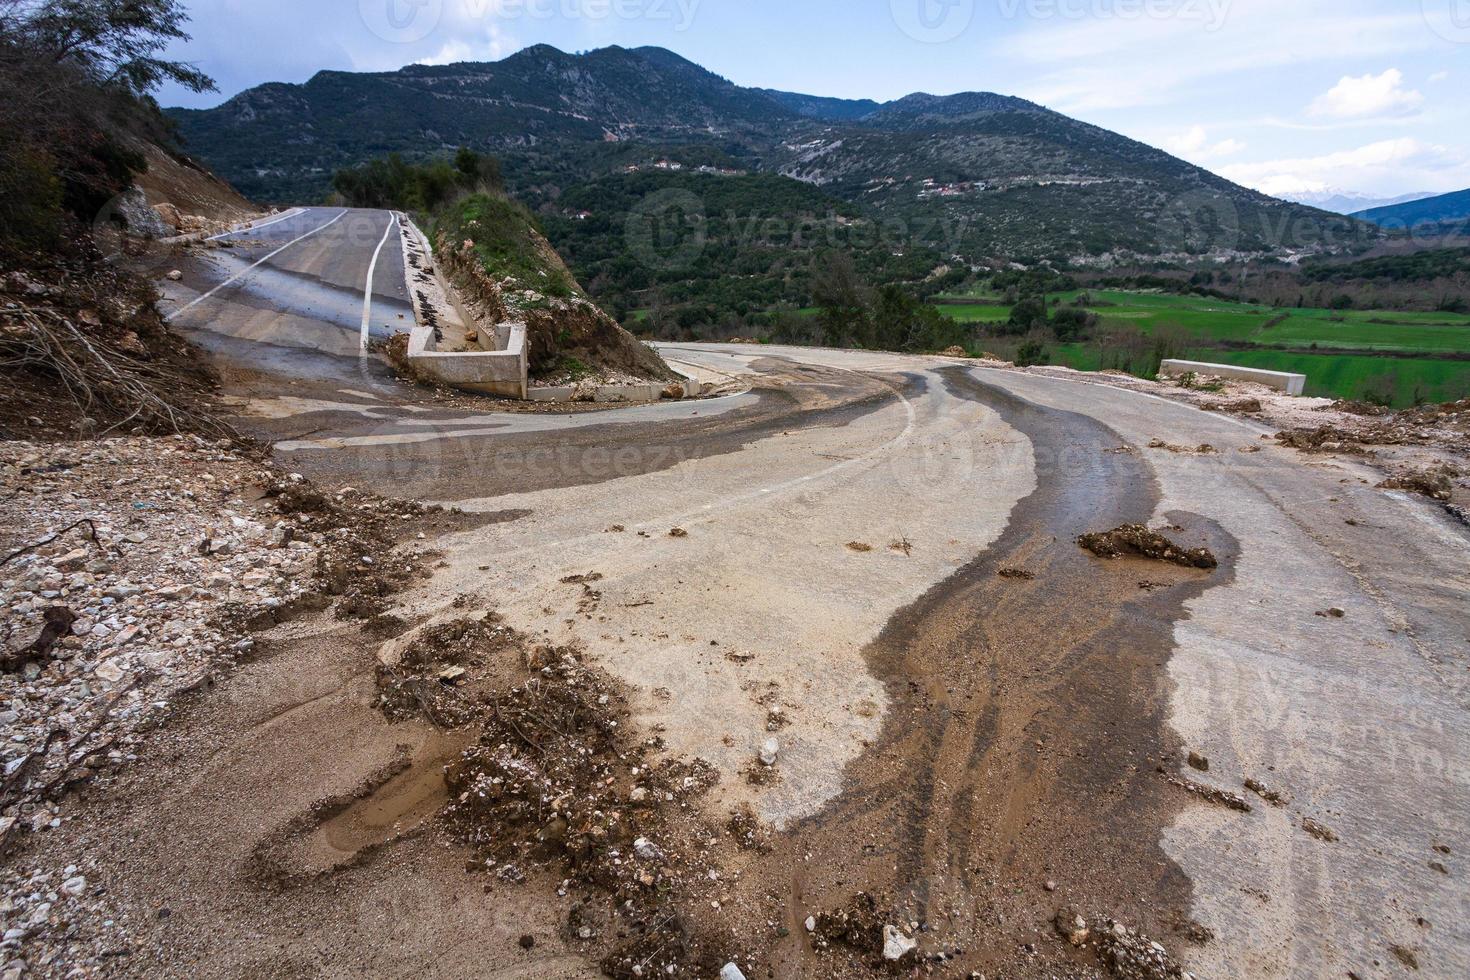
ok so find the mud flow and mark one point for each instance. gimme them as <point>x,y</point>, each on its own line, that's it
<point>1018,773</point>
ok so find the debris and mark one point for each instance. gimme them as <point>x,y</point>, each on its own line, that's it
<point>58,621</point>
<point>1017,573</point>
<point>1138,540</point>
<point>1071,926</point>
<point>896,945</point>
<point>1434,482</point>
<point>859,547</point>
<point>1130,955</point>
<point>1220,797</point>
<point>678,532</point>
<point>1324,438</point>
<point>1197,761</point>
<point>1319,831</point>
<point>582,579</point>
<point>1271,796</point>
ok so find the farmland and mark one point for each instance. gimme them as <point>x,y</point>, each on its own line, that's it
<point>1391,356</point>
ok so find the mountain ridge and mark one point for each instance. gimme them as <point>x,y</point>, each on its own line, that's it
<point>1439,209</point>
<point>1022,178</point>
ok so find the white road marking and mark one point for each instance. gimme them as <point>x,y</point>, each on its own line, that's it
<point>240,231</point>
<point>367,293</point>
<point>240,275</point>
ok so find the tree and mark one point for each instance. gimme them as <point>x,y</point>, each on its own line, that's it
<point>112,43</point>
<point>841,298</point>
<point>75,78</point>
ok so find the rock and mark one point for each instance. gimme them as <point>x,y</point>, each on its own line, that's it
<point>647,850</point>
<point>896,945</point>
<point>1071,926</point>
<point>731,972</point>
<point>74,886</point>
<point>169,215</point>
<point>109,672</point>
<point>811,923</point>
<point>1337,612</point>
<point>769,752</point>
<point>452,675</point>
<point>527,941</point>
<point>1197,761</point>
<point>174,275</point>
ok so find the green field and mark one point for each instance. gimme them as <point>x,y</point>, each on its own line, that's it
<point>1334,349</point>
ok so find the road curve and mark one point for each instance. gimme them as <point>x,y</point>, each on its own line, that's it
<point>846,520</point>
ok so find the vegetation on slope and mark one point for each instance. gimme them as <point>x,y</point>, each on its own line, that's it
<point>493,251</point>
<point>83,350</point>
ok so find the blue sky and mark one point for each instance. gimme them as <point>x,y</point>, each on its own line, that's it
<point>1289,96</point>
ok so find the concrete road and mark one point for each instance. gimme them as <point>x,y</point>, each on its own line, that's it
<point>846,521</point>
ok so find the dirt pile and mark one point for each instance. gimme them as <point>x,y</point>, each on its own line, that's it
<point>359,564</point>
<point>1130,955</point>
<point>1137,540</point>
<point>1435,482</point>
<point>557,779</point>
<point>430,678</point>
<point>1323,438</point>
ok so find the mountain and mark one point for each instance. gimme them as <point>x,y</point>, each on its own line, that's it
<point>973,175</point>
<point>1443,209</point>
<point>1350,202</point>
<point>820,107</point>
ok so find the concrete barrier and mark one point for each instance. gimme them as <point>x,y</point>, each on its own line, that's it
<point>489,372</point>
<point>1292,384</point>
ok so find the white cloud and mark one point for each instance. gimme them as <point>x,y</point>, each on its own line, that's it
<point>1366,96</point>
<point>1439,76</point>
<point>1194,145</point>
<point>1384,167</point>
<point>1080,65</point>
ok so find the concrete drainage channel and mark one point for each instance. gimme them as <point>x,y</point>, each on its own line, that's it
<point>499,365</point>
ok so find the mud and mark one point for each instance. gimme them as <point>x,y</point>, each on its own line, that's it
<point>450,468</point>
<point>1141,541</point>
<point>1025,737</point>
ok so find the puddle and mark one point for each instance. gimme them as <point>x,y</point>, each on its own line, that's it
<point>396,807</point>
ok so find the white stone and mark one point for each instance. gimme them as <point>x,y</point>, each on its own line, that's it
<point>896,945</point>
<point>731,972</point>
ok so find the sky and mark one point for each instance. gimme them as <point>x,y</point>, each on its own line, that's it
<point>1292,97</point>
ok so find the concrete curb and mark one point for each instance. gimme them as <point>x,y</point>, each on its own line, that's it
<point>1292,384</point>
